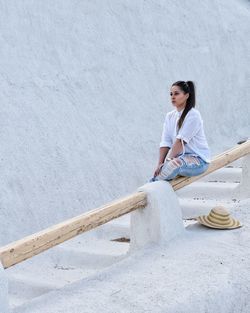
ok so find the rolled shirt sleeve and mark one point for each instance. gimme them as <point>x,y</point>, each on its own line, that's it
<point>190,127</point>
<point>166,140</point>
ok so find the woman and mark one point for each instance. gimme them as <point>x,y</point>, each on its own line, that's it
<point>183,149</point>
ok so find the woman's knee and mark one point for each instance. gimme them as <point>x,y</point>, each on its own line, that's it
<point>170,169</point>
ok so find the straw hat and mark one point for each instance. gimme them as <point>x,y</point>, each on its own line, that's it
<point>219,218</point>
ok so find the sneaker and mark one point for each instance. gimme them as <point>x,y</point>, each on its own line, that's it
<point>152,180</point>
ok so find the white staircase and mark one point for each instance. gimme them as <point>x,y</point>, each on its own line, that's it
<point>71,261</point>
<point>217,188</point>
<point>91,252</point>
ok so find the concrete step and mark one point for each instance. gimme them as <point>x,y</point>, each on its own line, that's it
<point>192,208</point>
<point>226,174</point>
<point>208,190</point>
<point>24,287</point>
<point>73,260</point>
<point>96,254</point>
<point>117,228</point>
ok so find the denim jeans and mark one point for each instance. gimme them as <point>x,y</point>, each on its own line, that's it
<point>183,165</point>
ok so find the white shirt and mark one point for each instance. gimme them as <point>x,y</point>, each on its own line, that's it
<point>191,132</point>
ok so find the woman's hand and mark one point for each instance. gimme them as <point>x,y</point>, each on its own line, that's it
<point>158,169</point>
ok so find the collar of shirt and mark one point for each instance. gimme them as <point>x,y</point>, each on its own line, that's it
<point>179,113</point>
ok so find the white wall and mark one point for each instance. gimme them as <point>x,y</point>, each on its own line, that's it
<point>84,91</point>
<point>4,305</point>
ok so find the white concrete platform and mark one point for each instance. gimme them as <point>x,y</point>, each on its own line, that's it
<point>207,270</point>
<point>90,253</point>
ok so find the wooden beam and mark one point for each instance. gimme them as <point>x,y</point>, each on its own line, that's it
<point>219,161</point>
<point>29,246</point>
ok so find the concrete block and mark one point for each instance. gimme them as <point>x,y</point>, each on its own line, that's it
<point>160,221</point>
<point>243,190</point>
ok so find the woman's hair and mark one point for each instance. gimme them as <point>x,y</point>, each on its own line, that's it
<point>186,87</point>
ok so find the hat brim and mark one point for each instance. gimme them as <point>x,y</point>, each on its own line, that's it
<point>205,221</point>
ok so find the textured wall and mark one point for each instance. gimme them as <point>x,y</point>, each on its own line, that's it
<point>85,88</point>
<point>4,306</point>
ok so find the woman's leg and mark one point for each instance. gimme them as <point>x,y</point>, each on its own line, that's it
<point>184,165</point>
<point>194,166</point>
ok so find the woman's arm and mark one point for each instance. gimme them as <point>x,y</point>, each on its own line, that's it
<point>176,148</point>
<point>162,154</point>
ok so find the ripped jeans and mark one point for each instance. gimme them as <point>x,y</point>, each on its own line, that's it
<point>183,165</point>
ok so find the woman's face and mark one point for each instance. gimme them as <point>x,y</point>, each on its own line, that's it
<point>178,97</point>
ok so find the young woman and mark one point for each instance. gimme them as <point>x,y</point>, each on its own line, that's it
<point>183,149</point>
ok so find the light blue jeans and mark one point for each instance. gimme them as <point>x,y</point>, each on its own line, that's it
<point>183,165</point>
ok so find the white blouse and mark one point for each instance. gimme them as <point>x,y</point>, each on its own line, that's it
<point>191,132</point>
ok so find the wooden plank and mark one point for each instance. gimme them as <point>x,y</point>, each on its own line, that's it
<point>29,246</point>
<point>219,161</point>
